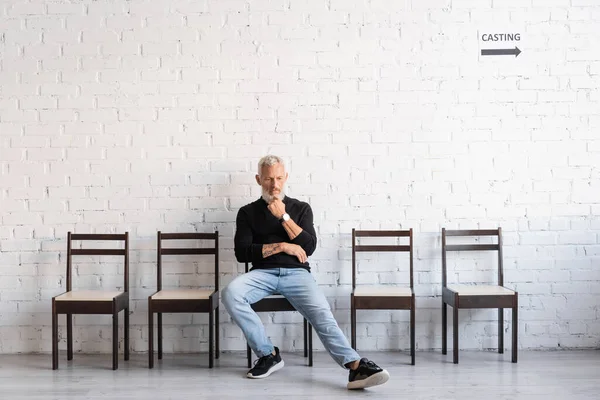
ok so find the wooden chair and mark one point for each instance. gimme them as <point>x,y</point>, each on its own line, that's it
<point>185,300</point>
<point>276,303</point>
<point>380,297</point>
<point>93,301</point>
<point>477,296</point>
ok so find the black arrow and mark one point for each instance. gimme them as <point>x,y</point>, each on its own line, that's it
<point>501,52</point>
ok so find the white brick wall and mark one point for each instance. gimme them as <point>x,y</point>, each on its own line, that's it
<point>150,115</point>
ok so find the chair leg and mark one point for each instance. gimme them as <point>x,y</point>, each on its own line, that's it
<point>412,331</point>
<point>115,339</point>
<point>217,349</point>
<point>310,345</point>
<point>126,334</point>
<point>353,326</point>
<point>211,338</point>
<point>69,336</point>
<point>455,332</point>
<point>54,336</point>
<point>444,327</point>
<point>249,356</point>
<point>515,328</point>
<point>500,330</point>
<point>305,337</point>
<point>159,334</point>
<point>150,335</point>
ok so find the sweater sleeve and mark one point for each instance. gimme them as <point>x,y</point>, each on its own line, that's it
<point>245,250</point>
<point>307,239</point>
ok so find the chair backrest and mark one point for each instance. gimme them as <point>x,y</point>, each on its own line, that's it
<point>472,247</point>
<point>120,237</point>
<point>356,248</point>
<point>171,251</point>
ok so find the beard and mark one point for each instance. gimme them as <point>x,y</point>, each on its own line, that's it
<point>268,198</point>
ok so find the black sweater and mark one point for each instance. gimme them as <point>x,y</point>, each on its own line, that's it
<point>255,226</point>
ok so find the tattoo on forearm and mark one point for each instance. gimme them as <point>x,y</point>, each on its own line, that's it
<point>270,249</point>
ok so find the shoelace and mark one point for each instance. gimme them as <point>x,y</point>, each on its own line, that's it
<point>261,361</point>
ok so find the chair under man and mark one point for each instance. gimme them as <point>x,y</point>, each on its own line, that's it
<point>277,303</point>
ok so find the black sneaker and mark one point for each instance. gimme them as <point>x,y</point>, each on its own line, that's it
<point>366,375</point>
<point>266,365</point>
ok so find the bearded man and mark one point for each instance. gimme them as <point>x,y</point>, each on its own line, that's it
<point>276,234</point>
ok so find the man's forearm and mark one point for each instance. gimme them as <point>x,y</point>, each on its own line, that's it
<point>270,249</point>
<point>292,229</point>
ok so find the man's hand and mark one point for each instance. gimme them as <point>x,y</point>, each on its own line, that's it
<point>277,208</point>
<point>294,250</point>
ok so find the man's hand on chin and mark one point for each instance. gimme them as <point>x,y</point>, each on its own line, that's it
<point>276,207</point>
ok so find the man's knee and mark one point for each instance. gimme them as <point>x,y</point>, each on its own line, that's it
<point>226,295</point>
<point>229,295</point>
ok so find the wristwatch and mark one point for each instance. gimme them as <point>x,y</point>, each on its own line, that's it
<point>284,217</point>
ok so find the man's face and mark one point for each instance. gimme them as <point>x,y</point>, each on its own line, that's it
<point>272,180</point>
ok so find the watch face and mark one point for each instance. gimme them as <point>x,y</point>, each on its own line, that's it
<point>286,217</point>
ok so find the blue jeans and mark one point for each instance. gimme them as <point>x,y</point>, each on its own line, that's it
<point>300,288</point>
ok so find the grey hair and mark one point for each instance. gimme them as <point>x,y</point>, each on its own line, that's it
<point>268,161</point>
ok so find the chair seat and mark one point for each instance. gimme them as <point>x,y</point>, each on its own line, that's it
<point>383,291</point>
<point>88,295</point>
<point>183,294</point>
<point>480,290</point>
